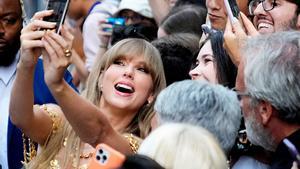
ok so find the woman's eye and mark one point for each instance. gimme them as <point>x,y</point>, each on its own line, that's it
<point>119,62</point>
<point>142,69</point>
<point>206,60</point>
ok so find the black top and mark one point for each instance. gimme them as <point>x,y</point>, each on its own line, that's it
<point>282,158</point>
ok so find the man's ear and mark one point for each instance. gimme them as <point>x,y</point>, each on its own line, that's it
<point>265,112</point>
<point>298,22</point>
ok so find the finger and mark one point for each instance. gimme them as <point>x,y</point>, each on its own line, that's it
<point>228,28</point>
<point>36,35</point>
<point>41,14</point>
<point>57,41</point>
<point>67,35</point>
<point>37,24</point>
<point>53,41</point>
<point>249,26</point>
<point>238,29</point>
<point>101,21</point>
<point>46,58</point>
<point>49,49</point>
<point>104,33</point>
<point>28,44</point>
<point>105,25</point>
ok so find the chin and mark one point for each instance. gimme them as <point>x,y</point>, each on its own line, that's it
<point>264,31</point>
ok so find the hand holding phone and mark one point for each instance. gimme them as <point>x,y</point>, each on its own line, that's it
<point>293,150</point>
<point>60,8</point>
<point>114,22</point>
<point>106,157</point>
<point>232,10</point>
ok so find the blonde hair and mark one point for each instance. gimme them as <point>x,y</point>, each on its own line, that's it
<point>130,47</point>
<point>177,146</point>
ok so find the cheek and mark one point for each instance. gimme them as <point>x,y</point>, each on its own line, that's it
<point>211,73</point>
<point>13,32</point>
<point>145,83</point>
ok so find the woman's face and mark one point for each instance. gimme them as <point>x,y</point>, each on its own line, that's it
<point>126,84</point>
<point>205,67</point>
<point>131,17</point>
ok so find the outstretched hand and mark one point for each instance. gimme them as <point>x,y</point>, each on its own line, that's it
<point>57,54</point>
<point>235,36</point>
<point>31,35</point>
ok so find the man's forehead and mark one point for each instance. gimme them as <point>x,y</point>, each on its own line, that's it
<point>10,5</point>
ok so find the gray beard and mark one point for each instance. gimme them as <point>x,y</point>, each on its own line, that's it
<point>258,135</point>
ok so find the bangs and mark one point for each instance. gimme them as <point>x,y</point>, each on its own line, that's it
<point>132,49</point>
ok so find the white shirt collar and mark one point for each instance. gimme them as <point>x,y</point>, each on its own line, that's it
<point>6,73</point>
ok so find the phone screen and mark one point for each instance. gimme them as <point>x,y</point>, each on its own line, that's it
<point>60,8</point>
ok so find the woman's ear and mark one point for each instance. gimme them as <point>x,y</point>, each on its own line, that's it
<point>150,98</point>
<point>100,84</point>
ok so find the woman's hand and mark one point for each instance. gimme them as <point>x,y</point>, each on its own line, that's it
<point>57,54</point>
<point>105,32</point>
<point>235,37</point>
<point>31,36</point>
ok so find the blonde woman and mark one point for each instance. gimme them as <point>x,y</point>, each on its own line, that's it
<point>116,107</point>
<point>178,146</point>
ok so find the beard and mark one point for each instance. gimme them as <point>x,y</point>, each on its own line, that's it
<point>8,56</point>
<point>258,135</point>
<point>289,25</point>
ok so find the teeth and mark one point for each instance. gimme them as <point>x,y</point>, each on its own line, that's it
<point>124,88</point>
<point>263,25</point>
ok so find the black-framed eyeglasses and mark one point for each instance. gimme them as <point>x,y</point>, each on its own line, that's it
<point>268,5</point>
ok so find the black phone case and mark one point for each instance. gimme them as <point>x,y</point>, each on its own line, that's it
<point>234,8</point>
<point>60,8</point>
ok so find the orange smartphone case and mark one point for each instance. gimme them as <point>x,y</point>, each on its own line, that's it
<point>106,157</point>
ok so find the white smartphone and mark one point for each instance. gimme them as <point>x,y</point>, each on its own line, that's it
<point>232,9</point>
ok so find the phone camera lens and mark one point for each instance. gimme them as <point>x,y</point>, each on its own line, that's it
<point>101,151</point>
<point>98,158</point>
<point>104,157</point>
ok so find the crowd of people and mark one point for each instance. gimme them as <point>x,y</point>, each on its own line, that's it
<point>167,84</point>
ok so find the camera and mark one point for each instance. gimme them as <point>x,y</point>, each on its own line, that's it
<point>114,22</point>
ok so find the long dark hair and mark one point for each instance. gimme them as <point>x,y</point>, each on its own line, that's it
<point>226,70</point>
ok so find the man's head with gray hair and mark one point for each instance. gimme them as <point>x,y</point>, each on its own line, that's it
<point>213,107</point>
<point>271,102</point>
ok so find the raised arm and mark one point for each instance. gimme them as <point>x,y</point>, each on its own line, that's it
<point>85,118</point>
<point>160,9</point>
<point>34,122</point>
<point>235,35</point>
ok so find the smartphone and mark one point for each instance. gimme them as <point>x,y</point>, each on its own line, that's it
<point>114,22</point>
<point>60,8</point>
<point>232,9</point>
<point>293,150</point>
<point>106,157</point>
